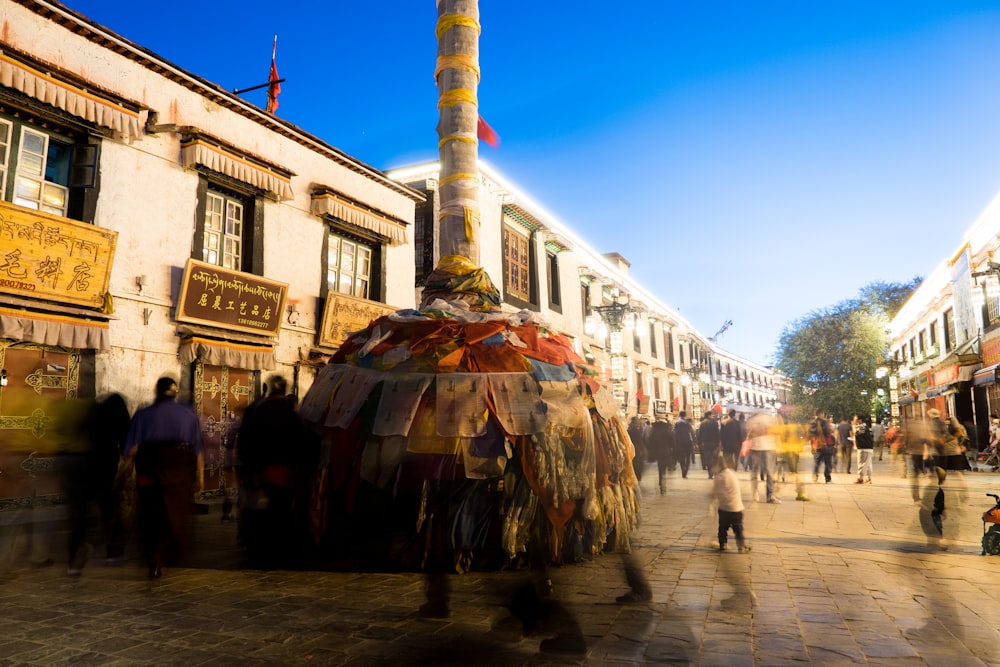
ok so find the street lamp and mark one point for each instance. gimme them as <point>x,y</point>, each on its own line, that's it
<point>615,316</point>
<point>698,373</point>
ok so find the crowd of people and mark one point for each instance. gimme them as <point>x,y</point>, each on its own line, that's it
<point>769,448</point>
<point>140,475</point>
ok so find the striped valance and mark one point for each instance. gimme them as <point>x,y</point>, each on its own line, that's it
<point>200,152</point>
<point>50,329</point>
<point>227,353</point>
<point>327,203</point>
<point>125,123</point>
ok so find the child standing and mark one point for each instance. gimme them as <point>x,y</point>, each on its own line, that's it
<point>729,500</point>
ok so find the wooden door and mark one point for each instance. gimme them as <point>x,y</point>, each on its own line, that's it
<point>221,394</point>
<point>38,378</point>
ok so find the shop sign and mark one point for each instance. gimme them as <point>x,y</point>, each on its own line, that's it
<point>946,376</point>
<point>345,314</point>
<point>232,300</point>
<point>45,256</point>
<point>991,351</point>
<point>660,408</point>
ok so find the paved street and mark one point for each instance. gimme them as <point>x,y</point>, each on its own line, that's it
<point>847,577</point>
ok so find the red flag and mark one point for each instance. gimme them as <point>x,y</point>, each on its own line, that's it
<point>275,87</point>
<point>487,133</point>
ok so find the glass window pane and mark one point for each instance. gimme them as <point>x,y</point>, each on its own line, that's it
<point>33,142</point>
<point>347,253</point>
<point>30,164</point>
<point>26,188</point>
<point>345,284</point>
<point>54,197</point>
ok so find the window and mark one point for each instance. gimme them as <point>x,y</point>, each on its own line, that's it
<point>34,168</point>
<point>552,269</point>
<point>223,231</point>
<point>652,339</point>
<point>230,234</point>
<point>517,266</point>
<point>949,330</point>
<point>348,266</point>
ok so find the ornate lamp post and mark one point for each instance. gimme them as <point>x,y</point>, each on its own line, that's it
<point>615,315</point>
<point>697,374</point>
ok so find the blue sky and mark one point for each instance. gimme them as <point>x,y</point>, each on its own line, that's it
<point>754,161</point>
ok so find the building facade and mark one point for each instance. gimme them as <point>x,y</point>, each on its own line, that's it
<point>152,223</point>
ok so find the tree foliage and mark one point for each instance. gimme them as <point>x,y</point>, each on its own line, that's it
<point>832,355</point>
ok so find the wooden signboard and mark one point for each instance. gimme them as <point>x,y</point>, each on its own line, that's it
<point>232,300</point>
<point>345,314</point>
<point>48,257</point>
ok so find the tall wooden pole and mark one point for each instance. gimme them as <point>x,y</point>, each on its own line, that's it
<point>457,74</point>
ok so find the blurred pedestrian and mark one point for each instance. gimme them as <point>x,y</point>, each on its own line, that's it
<point>731,437</point>
<point>845,443</point>
<point>821,439</point>
<point>709,441</point>
<point>878,437</point>
<point>660,447</point>
<point>791,439</point>
<point>763,456</point>
<point>277,453</point>
<point>636,433</point>
<point>683,442</point>
<point>164,440</point>
<point>864,442</point>
<point>916,433</point>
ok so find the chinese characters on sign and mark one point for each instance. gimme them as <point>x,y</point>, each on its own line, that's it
<point>233,300</point>
<point>345,314</point>
<point>49,257</point>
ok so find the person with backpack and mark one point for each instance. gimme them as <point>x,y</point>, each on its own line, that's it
<point>864,442</point>
<point>823,445</point>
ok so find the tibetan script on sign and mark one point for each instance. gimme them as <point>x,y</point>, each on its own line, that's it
<point>344,315</point>
<point>49,257</point>
<point>233,300</point>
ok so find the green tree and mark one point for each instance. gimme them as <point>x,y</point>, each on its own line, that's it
<point>831,355</point>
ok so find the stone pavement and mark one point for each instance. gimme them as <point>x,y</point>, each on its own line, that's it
<point>846,578</point>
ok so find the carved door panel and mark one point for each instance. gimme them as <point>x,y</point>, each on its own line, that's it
<point>38,377</point>
<point>221,394</point>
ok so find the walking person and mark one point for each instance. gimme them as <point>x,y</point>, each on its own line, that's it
<point>790,439</point>
<point>731,438</point>
<point>864,442</point>
<point>823,445</point>
<point>878,436</point>
<point>709,442</point>
<point>763,456</point>
<point>845,443</point>
<point>164,440</point>
<point>916,438</point>
<point>683,442</point>
<point>636,433</point>
<point>660,446</point>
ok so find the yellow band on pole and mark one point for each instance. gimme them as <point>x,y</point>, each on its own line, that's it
<point>462,61</point>
<point>450,98</point>
<point>471,222</point>
<point>458,176</point>
<point>449,21</point>
<point>456,137</point>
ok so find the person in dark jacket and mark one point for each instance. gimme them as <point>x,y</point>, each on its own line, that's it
<point>709,442</point>
<point>276,454</point>
<point>731,438</point>
<point>660,446</point>
<point>165,441</point>
<point>683,442</point>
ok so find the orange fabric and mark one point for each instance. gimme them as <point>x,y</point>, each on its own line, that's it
<point>557,515</point>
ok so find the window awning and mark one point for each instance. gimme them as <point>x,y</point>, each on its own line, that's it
<point>985,376</point>
<point>125,123</point>
<point>200,152</point>
<point>249,356</point>
<point>328,203</point>
<point>53,329</point>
